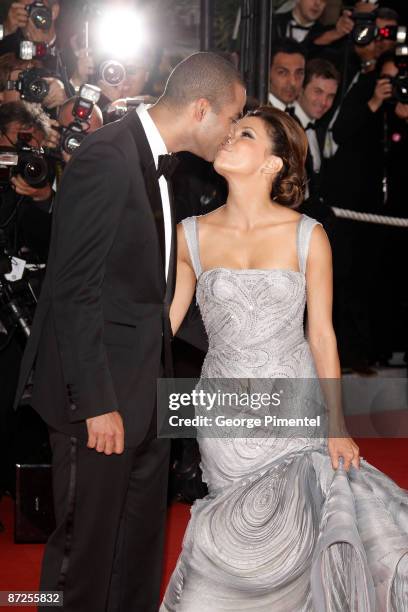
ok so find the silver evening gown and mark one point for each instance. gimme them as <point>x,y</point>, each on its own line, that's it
<point>280,530</point>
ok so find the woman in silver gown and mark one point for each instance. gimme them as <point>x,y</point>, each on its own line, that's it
<point>290,524</point>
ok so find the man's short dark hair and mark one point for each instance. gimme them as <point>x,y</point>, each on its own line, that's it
<point>319,67</point>
<point>201,75</point>
<point>387,13</point>
<point>28,115</point>
<point>288,46</point>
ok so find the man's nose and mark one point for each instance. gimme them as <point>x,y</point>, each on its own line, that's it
<point>292,80</point>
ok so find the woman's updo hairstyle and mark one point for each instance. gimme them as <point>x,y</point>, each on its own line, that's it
<point>289,142</point>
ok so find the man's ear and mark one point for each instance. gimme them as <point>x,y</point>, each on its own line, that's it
<point>1,97</point>
<point>200,108</point>
<point>273,164</point>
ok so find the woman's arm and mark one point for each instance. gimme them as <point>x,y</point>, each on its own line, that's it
<point>323,345</point>
<point>185,282</point>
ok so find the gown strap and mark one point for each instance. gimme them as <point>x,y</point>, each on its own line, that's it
<point>305,228</point>
<point>191,233</point>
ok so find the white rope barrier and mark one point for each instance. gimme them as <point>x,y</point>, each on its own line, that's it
<point>344,213</point>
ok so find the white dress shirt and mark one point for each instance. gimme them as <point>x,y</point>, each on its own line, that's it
<point>296,31</point>
<point>276,103</point>
<point>311,136</point>
<point>158,147</point>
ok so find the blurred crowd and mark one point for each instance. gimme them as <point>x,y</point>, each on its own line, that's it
<point>346,84</point>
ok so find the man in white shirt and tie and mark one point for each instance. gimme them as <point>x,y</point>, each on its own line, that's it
<point>286,75</point>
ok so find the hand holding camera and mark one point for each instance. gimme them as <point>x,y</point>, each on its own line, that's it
<point>345,24</point>
<point>382,92</point>
<point>17,17</point>
<point>56,93</point>
<point>37,194</point>
<point>401,110</point>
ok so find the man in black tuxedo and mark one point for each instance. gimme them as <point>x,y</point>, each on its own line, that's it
<point>314,102</point>
<point>101,339</point>
<point>302,24</point>
<point>286,74</point>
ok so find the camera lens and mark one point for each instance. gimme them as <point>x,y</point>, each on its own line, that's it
<point>72,142</point>
<point>33,169</point>
<point>38,90</point>
<point>41,17</point>
<point>363,33</point>
<point>112,72</point>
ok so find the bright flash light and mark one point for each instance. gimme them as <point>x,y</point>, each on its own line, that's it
<point>120,33</point>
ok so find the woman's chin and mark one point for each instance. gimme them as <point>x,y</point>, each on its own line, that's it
<point>220,164</point>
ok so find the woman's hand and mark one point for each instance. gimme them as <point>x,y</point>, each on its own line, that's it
<point>346,448</point>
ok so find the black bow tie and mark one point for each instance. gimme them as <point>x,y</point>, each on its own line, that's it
<point>166,166</point>
<point>290,110</point>
<point>310,126</point>
<point>296,26</point>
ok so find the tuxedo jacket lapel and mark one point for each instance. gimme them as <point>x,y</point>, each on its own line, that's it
<point>153,192</point>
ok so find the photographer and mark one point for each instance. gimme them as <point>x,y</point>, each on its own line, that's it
<point>30,20</point>
<point>34,37</point>
<point>25,225</point>
<point>20,79</point>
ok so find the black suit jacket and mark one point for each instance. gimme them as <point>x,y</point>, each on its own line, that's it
<point>353,178</point>
<point>102,321</point>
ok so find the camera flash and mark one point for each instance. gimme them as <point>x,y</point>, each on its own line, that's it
<point>91,93</point>
<point>401,35</point>
<point>27,50</point>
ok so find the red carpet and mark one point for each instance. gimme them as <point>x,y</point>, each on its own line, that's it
<point>20,563</point>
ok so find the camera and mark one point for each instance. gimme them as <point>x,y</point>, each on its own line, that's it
<point>29,162</point>
<point>400,82</point>
<point>31,85</point>
<point>112,72</point>
<point>40,15</point>
<point>74,134</point>
<point>30,50</point>
<point>365,30</point>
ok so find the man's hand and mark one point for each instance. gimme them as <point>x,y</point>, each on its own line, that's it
<point>344,24</point>
<point>17,17</point>
<point>106,433</point>
<point>383,91</point>
<point>401,110</point>
<point>38,194</point>
<point>56,96</point>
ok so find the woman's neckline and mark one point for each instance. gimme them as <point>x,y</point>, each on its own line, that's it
<point>302,216</point>
<point>249,270</point>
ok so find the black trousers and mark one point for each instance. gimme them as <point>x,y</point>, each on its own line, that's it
<point>106,553</point>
